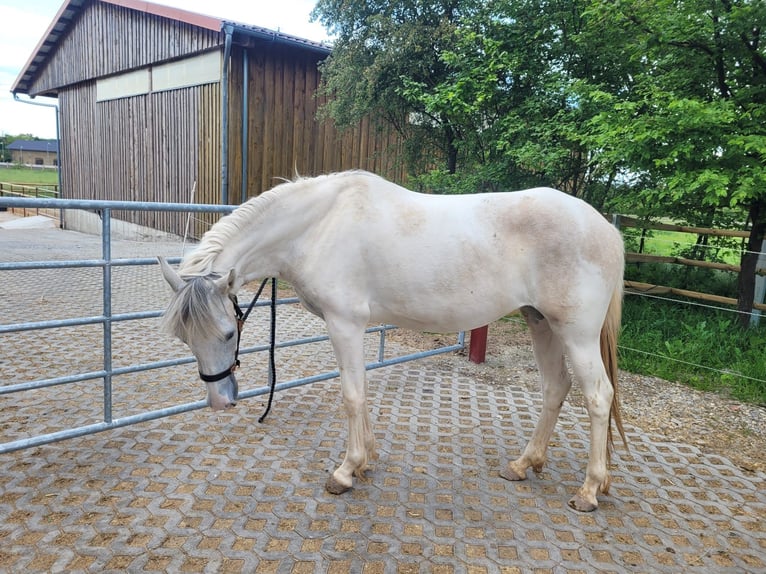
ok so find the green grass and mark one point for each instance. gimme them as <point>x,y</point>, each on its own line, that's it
<point>29,176</point>
<point>696,345</point>
<point>677,243</point>
<point>665,243</point>
<point>700,347</point>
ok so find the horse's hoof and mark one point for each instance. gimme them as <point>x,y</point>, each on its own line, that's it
<point>509,473</point>
<point>335,487</point>
<point>580,504</point>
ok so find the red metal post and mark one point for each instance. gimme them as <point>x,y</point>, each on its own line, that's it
<point>477,348</point>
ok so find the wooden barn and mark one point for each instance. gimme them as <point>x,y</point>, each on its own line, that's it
<point>155,101</point>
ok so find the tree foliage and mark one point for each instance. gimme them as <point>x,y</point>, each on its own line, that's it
<point>691,120</point>
<point>380,45</point>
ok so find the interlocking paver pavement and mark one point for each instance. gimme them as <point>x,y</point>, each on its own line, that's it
<point>211,492</point>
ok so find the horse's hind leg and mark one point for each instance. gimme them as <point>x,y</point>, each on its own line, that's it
<point>598,392</point>
<point>556,383</point>
<point>348,344</point>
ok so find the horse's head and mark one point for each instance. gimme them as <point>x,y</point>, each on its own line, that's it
<point>204,315</point>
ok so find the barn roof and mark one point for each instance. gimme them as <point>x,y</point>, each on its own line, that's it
<point>34,145</point>
<point>71,9</point>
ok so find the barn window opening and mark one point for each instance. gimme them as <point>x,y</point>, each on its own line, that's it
<point>194,71</point>
<point>125,85</point>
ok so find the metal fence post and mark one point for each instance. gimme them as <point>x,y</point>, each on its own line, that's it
<point>106,254</point>
<point>477,348</point>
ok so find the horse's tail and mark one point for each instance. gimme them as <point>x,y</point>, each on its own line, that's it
<point>610,331</point>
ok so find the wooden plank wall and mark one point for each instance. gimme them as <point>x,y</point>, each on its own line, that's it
<point>107,39</point>
<point>208,168</point>
<point>152,147</point>
<point>284,135</point>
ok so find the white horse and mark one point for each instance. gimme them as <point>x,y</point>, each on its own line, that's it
<point>359,249</point>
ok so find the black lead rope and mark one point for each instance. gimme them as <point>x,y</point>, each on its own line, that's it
<point>272,345</point>
<point>242,317</point>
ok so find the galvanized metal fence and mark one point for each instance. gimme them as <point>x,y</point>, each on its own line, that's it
<point>107,320</point>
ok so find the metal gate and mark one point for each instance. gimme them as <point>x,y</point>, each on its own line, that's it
<point>23,311</point>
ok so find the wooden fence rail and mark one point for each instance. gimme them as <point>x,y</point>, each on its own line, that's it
<point>625,221</point>
<point>19,190</point>
<point>645,258</point>
<point>645,288</point>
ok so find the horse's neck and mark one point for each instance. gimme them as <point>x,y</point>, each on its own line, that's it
<point>261,247</point>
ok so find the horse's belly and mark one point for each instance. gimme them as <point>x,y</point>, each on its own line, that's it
<point>449,318</point>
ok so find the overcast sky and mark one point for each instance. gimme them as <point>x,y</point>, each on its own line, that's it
<point>24,22</point>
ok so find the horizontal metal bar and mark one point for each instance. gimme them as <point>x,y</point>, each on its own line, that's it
<point>309,340</point>
<point>154,365</point>
<point>90,204</point>
<point>81,377</point>
<point>415,356</point>
<point>335,374</point>
<point>31,265</point>
<point>51,324</point>
<point>120,317</point>
<point>77,263</point>
<point>99,427</point>
<point>125,262</point>
<point>76,322</point>
<point>46,383</point>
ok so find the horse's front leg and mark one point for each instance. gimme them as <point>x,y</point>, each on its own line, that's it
<point>348,343</point>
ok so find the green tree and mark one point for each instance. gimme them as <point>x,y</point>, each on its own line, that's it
<point>691,119</point>
<point>492,85</point>
<point>510,93</point>
<point>378,45</point>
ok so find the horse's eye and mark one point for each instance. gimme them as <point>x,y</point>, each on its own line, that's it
<point>230,335</point>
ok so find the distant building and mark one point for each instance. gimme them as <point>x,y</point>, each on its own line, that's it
<point>35,152</point>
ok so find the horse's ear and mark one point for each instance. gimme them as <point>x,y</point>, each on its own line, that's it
<point>226,283</point>
<point>173,279</point>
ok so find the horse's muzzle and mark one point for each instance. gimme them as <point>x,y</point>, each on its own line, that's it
<point>222,394</point>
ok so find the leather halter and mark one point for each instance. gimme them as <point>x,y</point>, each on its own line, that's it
<point>241,318</point>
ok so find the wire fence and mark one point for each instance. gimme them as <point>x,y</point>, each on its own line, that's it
<point>727,248</point>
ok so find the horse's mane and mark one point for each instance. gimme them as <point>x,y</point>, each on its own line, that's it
<point>200,261</point>
<point>190,312</point>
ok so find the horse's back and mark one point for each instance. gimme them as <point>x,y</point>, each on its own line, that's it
<point>447,262</point>
<point>522,231</point>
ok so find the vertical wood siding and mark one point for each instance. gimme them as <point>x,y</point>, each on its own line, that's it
<point>107,39</point>
<point>152,147</point>
<point>284,135</point>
